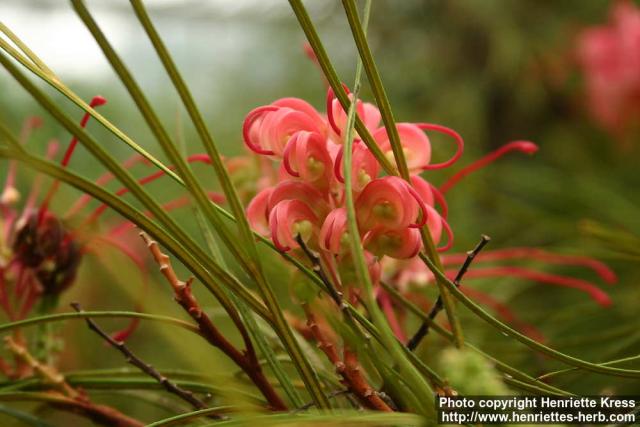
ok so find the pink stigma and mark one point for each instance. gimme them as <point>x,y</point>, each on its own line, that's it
<point>96,101</point>
<point>526,147</point>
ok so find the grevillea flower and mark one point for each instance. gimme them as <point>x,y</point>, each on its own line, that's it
<point>258,212</point>
<point>297,190</point>
<point>307,202</point>
<point>46,247</point>
<point>337,117</point>
<point>267,129</point>
<point>390,203</point>
<point>364,166</point>
<point>610,58</point>
<point>333,234</point>
<point>415,144</point>
<point>399,243</point>
<point>290,219</point>
<point>306,157</point>
<point>41,251</point>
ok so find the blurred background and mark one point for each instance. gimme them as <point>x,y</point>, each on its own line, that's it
<point>495,71</point>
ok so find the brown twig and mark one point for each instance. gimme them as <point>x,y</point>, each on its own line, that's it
<point>316,266</point>
<point>422,332</point>
<point>48,373</point>
<point>65,397</point>
<point>134,360</point>
<point>247,360</point>
<point>349,370</point>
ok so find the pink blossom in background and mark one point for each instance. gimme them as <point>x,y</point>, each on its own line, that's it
<point>610,59</point>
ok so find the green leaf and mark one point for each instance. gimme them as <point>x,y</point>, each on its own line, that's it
<point>409,374</point>
<point>535,345</point>
<point>25,417</point>
<point>211,276</point>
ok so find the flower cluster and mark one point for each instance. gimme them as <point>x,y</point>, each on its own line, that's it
<point>610,58</point>
<point>41,250</point>
<point>38,254</point>
<point>300,199</point>
<point>306,200</point>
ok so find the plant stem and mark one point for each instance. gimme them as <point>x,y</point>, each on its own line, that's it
<point>533,344</point>
<point>398,153</point>
<point>422,332</point>
<point>252,263</point>
<point>246,360</point>
<point>409,373</point>
<point>134,360</point>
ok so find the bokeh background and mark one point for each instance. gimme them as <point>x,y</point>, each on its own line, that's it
<point>494,71</point>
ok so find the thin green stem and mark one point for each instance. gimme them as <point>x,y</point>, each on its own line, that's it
<point>65,91</point>
<point>109,314</point>
<point>351,418</point>
<point>396,145</point>
<point>23,47</point>
<point>408,372</point>
<point>336,84</point>
<point>497,324</point>
<point>210,277</point>
<point>178,419</point>
<point>564,371</point>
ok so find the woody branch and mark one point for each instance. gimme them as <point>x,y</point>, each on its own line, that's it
<point>247,360</point>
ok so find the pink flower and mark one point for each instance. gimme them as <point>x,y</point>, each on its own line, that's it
<point>290,219</point>
<point>306,157</point>
<point>299,190</point>
<point>364,166</point>
<point>390,203</point>
<point>337,117</point>
<point>267,129</point>
<point>415,143</point>
<point>400,243</point>
<point>333,234</point>
<point>610,59</point>
<point>258,212</point>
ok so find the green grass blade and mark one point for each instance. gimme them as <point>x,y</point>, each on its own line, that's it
<point>565,371</point>
<point>24,48</point>
<point>179,419</point>
<point>115,314</point>
<point>25,417</point>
